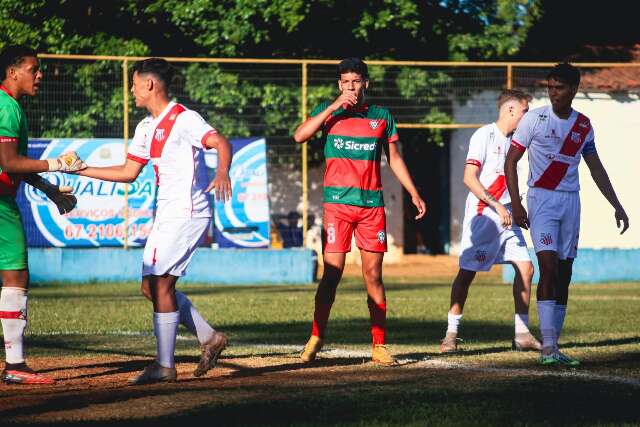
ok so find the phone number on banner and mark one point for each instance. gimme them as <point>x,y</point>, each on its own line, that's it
<point>105,231</point>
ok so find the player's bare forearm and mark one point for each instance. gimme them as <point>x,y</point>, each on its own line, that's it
<point>127,172</point>
<point>12,162</point>
<point>511,173</point>
<point>474,185</point>
<point>399,168</point>
<point>601,178</point>
<point>311,126</point>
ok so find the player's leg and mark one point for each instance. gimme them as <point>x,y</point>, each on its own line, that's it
<point>545,213</point>
<point>13,296</point>
<point>337,230</point>
<point>565,269</point>
<point>523,339</point>
<point>371,238</point>
<point>459,293</point>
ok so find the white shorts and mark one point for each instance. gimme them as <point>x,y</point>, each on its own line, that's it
<point>486,242</point>
<point>171,244</point>
<point>554,219</point>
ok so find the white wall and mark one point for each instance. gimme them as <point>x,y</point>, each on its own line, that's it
<point>616,121</point>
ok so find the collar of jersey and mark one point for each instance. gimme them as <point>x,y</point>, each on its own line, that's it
<point>7,91</point>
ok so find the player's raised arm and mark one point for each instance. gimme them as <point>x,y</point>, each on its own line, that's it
<point>601,178</point>
<point>514,155</point>
<point>221,182</point>
<point>127,172</point>
<point>399,168</point>
<point>313,124</point>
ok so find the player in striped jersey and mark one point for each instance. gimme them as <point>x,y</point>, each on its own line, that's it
<point>355,135</point>
<point>557,137</point>
<point>488,235</point>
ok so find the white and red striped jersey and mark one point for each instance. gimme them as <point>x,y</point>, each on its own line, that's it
<point>487,150</point>
<point>555,147</point>
<point>174,142</point>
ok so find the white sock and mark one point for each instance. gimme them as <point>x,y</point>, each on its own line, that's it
<point>192,320</point>
<point>453,322</point>
<point>165,328</point>
<point>522,323</point>
<point>13,314</point>
<point>547,328</point>
<point>558,318</point>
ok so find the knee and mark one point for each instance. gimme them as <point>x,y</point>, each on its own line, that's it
<point>145,291</point>
<point>372,276</point>
<point>526,270</point>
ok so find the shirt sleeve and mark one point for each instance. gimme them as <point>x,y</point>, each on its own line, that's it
<point>197,129</point>
<point>9,125</point>
<point>524,133</point>
<point>477,153</point>
<point>139,150</point>
<point>391,131</point>
<point>590,144</point>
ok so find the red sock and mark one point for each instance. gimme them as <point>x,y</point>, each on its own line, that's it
<point>378,314</point>
<point>320,318</point>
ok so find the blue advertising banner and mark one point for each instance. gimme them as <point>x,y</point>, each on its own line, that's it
<point>99,217</point>
<point>244,223</point>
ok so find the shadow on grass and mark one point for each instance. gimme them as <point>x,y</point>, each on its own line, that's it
<point>361,397</point>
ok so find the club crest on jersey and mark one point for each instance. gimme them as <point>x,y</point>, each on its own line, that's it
<point>545,239</point>
<point>381,236</point>
<point>159,134</point>
<point>373,124</point>
<point>575,137</point>
<point>481,256</point>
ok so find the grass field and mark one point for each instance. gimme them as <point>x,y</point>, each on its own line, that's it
<point>92,338</point>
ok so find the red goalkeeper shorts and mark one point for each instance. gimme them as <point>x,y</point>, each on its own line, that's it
<point>341,221</point>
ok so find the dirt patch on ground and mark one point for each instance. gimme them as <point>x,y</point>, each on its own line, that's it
<point>417,266</point>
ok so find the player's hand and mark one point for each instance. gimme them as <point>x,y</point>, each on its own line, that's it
<point>67,162</point>
<point>622,220</point>
<point>420,205</point>
<point>221,185</point>
<point>520,216</point>
<point>505,216</point>
<point>62,197</point>
<point>346,98</point>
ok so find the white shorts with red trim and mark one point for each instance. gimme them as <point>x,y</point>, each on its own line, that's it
<point>171,244</point>
<point>554,218</point>
<point>486,242</point>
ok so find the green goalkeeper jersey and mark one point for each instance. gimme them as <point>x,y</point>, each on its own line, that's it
<point>13,129</point>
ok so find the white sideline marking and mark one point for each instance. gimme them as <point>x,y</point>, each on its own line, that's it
<point>355,354</point>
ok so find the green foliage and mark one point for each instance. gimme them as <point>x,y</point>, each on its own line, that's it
<point>233,100</point>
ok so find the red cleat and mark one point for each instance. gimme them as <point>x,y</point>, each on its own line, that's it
<point>20,373</point>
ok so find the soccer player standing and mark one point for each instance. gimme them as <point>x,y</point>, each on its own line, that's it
<point>174,139</point>
<point>356,134</point>
<point>488,235</point>
<point>21,75</point>
<point>557,136</point>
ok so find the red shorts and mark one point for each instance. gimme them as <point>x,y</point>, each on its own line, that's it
<point>341,221</point>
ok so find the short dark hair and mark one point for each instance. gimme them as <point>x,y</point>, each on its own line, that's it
<point>565,73</point>
<point>509,94</point>
<point>353,65</point>
<point>159,67</point>
<point>14,55</point>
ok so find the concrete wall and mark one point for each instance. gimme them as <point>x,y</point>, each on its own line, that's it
<point>616,120</point>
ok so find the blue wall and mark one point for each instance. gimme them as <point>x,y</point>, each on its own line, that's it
<point>595,265</point>
<point>224,266</point>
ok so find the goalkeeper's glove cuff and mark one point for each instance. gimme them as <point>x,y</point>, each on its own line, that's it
<point>54,165</point>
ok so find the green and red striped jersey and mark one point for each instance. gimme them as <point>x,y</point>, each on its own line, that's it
<point>353,149</point>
